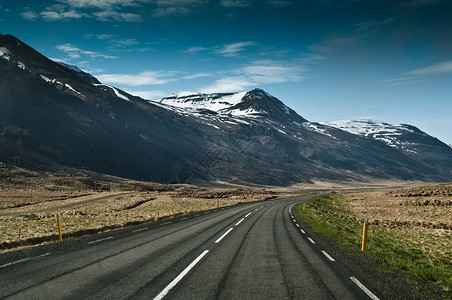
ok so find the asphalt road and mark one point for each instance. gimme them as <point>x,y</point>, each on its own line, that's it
<point>249,251</point>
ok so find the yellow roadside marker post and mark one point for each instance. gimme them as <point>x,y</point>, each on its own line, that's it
<point>363,248</point>
<point>60,236</point>
<point>304,206</point>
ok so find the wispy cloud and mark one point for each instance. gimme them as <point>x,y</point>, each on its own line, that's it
<point>354,34</point>
<point>103,4</point>
<point>444,67</point>
<point>141,79</point>
<point>167,11</point>
<point>30,15</point>
<point>419,3</point>
<point>279,2</point>
<point>234,49</point>
<point>101,10</point>
<point>149,95</point>
<point>236,3</point>
<point>196,50</point>
<point>198,75</point>
<point>113,39</point>
<point>268,71</point>
<point>227,50</point>
<point>75,52</point>
<point>227,85</point>
<point>255,74</point>
<point>61,15</point>
<point>419,75</point>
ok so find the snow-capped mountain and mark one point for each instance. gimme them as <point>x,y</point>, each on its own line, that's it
<point>230,107</point>
<point>398,136</point>
<point>57,117</point>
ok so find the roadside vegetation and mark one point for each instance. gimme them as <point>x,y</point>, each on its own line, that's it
<point>30,202</point>
<point>419,251</point>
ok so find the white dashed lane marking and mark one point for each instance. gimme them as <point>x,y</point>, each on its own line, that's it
<point>366,290</point>
<point>222,237</point>
<point>327,255</point>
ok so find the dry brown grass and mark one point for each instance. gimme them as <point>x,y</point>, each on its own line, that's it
<point>426,207</point>
<point>29,203</point>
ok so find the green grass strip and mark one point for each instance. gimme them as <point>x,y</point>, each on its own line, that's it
<point>393,248</point>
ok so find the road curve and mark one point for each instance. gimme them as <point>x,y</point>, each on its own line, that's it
<point>249,251</point>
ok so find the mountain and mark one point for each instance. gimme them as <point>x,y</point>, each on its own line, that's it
<point>55,117</point>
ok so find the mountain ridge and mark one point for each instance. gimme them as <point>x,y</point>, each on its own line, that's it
<point>57,117</point>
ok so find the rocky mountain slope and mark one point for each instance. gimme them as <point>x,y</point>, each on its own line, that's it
<point>57,117</point>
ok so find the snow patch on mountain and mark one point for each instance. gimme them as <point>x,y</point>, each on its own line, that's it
<point>5,53</point>
<point>21,65</point>
<point>71,67</point>
<point>48,80</point>
<point>117,93</point>
<point>197,101</point>
<point>317,127</point>
<point>389,134</point>
<point>67,86</point>
<point>368,127</point>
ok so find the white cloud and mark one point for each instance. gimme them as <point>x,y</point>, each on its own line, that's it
<point>227,50</point>
<point>110,15</point>
<point>144,78</point>
<point>149,95</point>
<point>279,3</point>
<point>420,74</point>
<point>268,71</point>
<point>103,4</point>
<point>256,74</point>
<point>30,15</point>
<point>74,52</point>
<point>61,15</point>
<point>402,80</point>
<point>166,11</point>
<point>444,67</point>
<point>181,2</point>
<point>228,85</point>
<point>196,50</point>
<point>311,58</point>
<point>107,10</point>
<point>236,3</point>
<point>198,75</point>
<point>234,49</point>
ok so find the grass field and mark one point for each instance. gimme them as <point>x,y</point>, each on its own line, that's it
<point>419,249</point>
<point>30,202</point>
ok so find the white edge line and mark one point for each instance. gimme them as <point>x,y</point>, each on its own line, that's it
<point>297,225</point>
<point>141,229</point>
<point>365,290</point>
<point>101,240</point>
<point>302,231</point>
<point>165,223</point>
<point>311,240</point>
<point>14,262</point>
<point>239,222</point>
<point>224,234</point>
<point>327,255</point>
<point>180,276</point>
<point>184,219</point>
<point>22,260</point>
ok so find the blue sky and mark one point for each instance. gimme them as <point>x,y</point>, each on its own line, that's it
<point>328,60</point>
